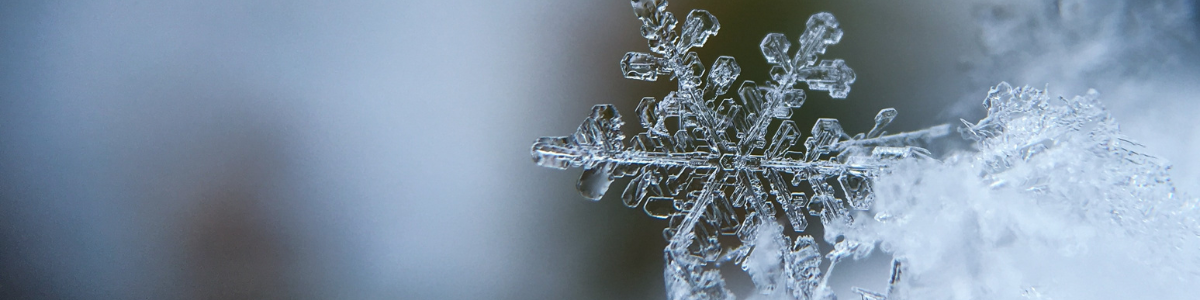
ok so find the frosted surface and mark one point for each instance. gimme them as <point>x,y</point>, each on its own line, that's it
<point>1054,204</point>
<point>1045,174</point>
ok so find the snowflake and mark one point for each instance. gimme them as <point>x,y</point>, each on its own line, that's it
<point>711,165</point>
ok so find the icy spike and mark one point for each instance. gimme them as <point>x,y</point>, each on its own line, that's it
<point>882,120</point>
<point>697,28</point>
<point>822,31</point>
<point>724,71</point>
<point>830,75</point>
<point>599,134</point>
<point>775,47</point>
<point>641,66</point>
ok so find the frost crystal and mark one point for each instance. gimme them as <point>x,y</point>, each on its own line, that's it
<point>709,164</point>
<point>1048,180</point>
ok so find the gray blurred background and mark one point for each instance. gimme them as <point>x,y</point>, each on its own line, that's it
<point>380,149</point>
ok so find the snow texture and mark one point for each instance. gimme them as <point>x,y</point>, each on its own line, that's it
<point>1050,182</point>
<point>1054,203</point>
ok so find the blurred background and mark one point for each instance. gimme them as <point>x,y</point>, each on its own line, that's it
<point>380,149</point>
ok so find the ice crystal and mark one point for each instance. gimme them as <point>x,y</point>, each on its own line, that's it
<point>709,164</point>
<point>1047,179</point>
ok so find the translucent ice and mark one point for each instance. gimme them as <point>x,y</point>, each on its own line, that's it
<point>1050,182</point>
<point>714,166</point>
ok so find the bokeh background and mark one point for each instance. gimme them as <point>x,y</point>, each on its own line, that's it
<point>380,149</point>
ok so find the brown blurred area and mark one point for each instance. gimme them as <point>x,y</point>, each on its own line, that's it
<point>233,248</point>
